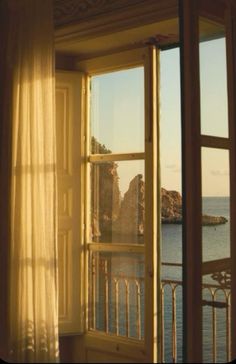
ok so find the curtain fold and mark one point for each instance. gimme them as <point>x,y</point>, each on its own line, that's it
<point>28,201</point>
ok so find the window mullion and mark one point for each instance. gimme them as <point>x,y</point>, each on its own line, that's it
<point>115,157</point>
<point>209,141</point>
<point>113,247</point>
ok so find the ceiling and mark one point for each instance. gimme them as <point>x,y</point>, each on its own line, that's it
<point>158,33</point>
<point>71,11</point>
<point>103,26</point>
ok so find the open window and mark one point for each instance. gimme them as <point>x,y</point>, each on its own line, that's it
<point>122,313</point>
<point>208,132</point>
<point>108,204</point>
<point>121,187</point>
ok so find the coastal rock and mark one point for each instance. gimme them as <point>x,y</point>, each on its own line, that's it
<point>111,213</point>
<point>131,216</point>
<point>213,220</point>
<point>105,196</point>
<point>171,210</point>
<point>171,207</point>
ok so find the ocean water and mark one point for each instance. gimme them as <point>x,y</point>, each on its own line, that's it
<point>216,245</point>
<point>123,267</point>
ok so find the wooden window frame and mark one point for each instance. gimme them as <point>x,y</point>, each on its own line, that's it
<point>146,57</point>
<point>69,175</point>
<point>192,143</point>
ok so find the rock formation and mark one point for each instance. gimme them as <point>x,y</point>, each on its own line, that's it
<point>171,207</point>
<point>131,216</point>
<point>110,213</point>
<point>171,210</point>
<point>105,196</point>
<point>213,220</point>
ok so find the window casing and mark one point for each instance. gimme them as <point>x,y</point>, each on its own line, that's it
<point>139,289</point>
<point>139,333</point>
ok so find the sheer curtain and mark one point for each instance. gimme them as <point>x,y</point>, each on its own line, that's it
<point>28,209</point>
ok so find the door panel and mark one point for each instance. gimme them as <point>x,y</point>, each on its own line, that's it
<point>122,184</point>
<point>209,202</point>
<point>216,194</point>
<point>69,104</point>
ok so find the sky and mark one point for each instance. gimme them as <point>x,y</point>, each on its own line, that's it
<point>118,117</point>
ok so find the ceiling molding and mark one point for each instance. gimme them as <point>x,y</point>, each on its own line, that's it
<point>109,17</point>
<point>71,11</point>
<point>80,24</point>
<point>216,12</point>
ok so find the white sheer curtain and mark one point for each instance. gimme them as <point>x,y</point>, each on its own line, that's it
<point>28,208</point>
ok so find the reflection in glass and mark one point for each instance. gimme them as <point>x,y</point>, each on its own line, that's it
<point>213,86</point>
<point>116,296</point>
<point>117,112</point>
<point>117,202</point>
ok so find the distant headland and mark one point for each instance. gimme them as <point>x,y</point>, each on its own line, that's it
<point>171,210</point>
<point>112,212</point>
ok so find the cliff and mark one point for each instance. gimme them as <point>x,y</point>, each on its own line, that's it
<point>171,207</point>
<point>131,216</point>
<point>171,211</point>
<point>111,213</point>
<point>105,196</point>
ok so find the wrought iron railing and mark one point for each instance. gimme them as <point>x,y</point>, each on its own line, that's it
<point>117,307</point>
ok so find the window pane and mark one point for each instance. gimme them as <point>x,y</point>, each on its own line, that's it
<point>171,209</point>
<point>216,254</point>
<point>117,112</point>
<point>117,202</point>
<point>116,296</point>
<point>215,204</point>
<point>213,82</point>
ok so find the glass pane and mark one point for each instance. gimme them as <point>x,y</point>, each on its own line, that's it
<point>171,209</point>
<point>117,202</point>
<point>117,112</point>
<point>215,204</point>
<point>216,254</point>
<point>213,82</point>
<point>116,295</point>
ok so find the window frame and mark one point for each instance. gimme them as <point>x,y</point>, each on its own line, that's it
<point>148,58</point>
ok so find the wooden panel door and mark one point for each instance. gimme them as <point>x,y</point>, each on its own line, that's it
<point>208,136</point>
<point>69,109</point>
<point>123,266</point>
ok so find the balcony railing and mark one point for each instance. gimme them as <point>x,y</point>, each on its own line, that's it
<point>117,307</point>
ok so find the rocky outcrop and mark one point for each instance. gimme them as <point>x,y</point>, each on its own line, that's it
<point>171,207</point>
<point>171,210</point>
<point>213,220</point>
<point>105,196</point>
<point>131,216</point>
<point>111,213</point>
<point>98,148</point>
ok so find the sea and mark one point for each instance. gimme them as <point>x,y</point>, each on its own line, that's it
<point>216,245</point>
